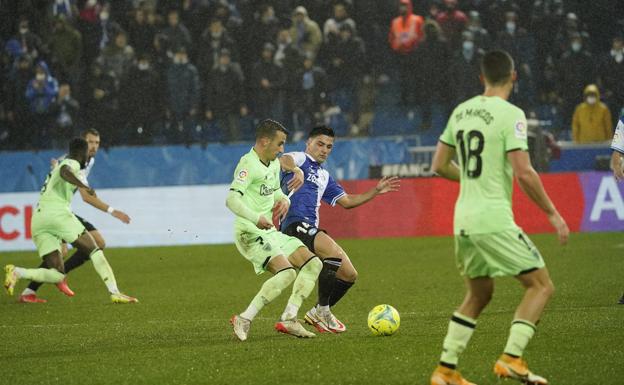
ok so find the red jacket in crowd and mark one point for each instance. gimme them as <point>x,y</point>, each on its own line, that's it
<point>406,31</point>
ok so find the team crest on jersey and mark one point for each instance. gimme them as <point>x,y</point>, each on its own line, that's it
<point>242,175</point>
<point>520,130</point>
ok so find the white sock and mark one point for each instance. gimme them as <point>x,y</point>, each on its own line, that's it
<point>104,271</point>
<point>250,313</point>
<point>290,312</point>
<point>28,291</point>
<point>323,309</point>
<point>19,271</point>
<point>270,289</point>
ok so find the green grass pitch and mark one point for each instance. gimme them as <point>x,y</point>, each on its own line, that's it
<point>179,333</point>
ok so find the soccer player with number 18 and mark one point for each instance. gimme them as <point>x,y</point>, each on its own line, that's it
<point>489,136</point>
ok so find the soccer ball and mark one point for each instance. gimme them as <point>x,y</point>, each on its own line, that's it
<point>383,320</point>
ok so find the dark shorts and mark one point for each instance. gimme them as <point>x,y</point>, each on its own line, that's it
<point>305,232</point>
<point>86,224</point>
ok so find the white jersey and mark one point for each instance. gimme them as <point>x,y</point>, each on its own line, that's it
<point>618,138</point>
<point>84,173</point>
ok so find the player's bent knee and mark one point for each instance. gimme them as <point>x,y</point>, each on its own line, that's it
<point>548,289</point>
<point>313,265</point>
<point>348,275</point>
<point>286,276</point>
<point>97,237</point>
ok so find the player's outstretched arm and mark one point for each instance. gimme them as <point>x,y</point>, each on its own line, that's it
<point>616,165</point>
<point>100,205</point>
<point>531,184</point>
<point>238,207</point>
<point>442,163</point>
<point>385,184</point>
<point>68,175</point>
<point>287,163</point>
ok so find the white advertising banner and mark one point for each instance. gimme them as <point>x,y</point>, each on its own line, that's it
<point>179,215</point>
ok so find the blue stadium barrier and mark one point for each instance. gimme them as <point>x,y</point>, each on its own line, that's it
<point>578,159</point>
<point>123,167</point>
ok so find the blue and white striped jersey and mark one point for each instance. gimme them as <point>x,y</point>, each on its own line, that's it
<point>618,138</point>
<point>318,185</point>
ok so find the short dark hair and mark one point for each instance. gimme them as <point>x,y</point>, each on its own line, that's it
<point>78,146</point>
<point>321,130</point>
<point>497,67</point>
<point>89,131</point>
<point>268,127</point>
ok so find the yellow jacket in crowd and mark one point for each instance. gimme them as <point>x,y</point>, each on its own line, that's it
<point>591,121</point>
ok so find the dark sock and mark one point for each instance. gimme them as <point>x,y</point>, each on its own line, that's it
<point>340,289</point>
<point>34,286</point>
<point>76,260</point>
<point>327,279</point>
<point>447,365</point>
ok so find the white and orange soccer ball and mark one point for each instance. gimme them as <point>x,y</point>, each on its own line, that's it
<point>383,320</point>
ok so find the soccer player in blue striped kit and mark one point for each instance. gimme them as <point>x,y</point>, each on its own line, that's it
<point>302,221</point>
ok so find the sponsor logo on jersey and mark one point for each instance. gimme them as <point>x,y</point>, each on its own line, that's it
<point>520,130</point>
<point>314,177</point>
<point>266,190</point>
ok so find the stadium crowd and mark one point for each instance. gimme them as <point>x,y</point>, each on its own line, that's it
<point>184,71</point>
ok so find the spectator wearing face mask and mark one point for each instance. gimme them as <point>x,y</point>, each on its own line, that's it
<point>263,30</point>
<point>40,95</point>
<point>481,37</point>
<point>305,33</point>
<point>545,20</point>
<point>290,59</point>
<point>213,40</point>
<point>592,119</point>
<point>183,96</point>
<point>141,33</point>
<point>345,62</point>
<point>29,42</point>
<point>519,43</point>
<point>176,32</point>
<point>224,96</point>
<point>569,27</point>
<point>434,56</point>
<point>100,101</point>
<point>118,56</point>
<point>452,21</point>
<point>96,28</point>
<point>406,33</point>
<point>331,28</point>
<point>465,69</point>
<point>311,89</point>
<point>612,76</point>
<point>575,69</point>
<point>141,100</point>
<point>16,104</point>
<point>65,112</point>
<point>267,84</point>
<point>106,28</point>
